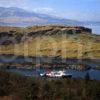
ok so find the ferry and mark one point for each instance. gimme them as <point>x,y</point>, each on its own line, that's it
<point>57,74</point>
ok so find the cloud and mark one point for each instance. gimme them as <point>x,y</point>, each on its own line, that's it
<point>46,10</point>
<point>7,3</point>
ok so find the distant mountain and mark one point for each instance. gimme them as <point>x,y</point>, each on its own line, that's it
<point>13,16</point>
<point>92,23</point>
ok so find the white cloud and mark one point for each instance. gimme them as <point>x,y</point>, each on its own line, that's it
<point>7,3</point>
<point>46,10</point>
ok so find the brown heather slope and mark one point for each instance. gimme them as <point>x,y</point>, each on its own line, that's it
<point>51,41</point>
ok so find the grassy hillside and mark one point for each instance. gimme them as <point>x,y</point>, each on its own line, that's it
<point>62,41</point>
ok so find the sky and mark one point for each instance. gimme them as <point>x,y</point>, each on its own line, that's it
<point>82,10</point>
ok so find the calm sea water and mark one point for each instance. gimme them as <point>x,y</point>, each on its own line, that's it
<point>95,28</point>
